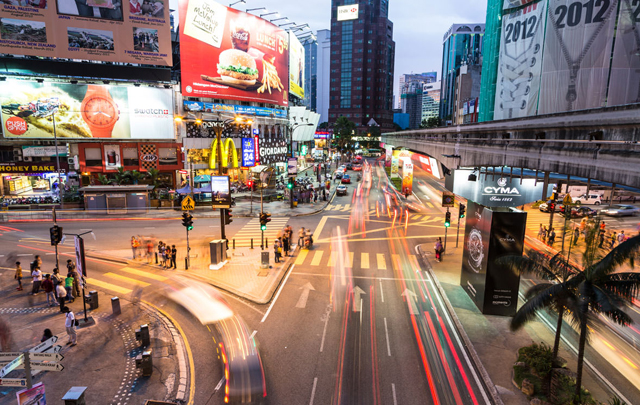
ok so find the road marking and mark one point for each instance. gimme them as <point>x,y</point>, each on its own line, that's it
<point>219,385</point>
<point>317,257</point>
<point>302,254</point>
<point>253,334</point>
<point>127,279</point>
<point>112,287</point>
<point>386,332</point>
<point>326,322</point>
<point>313,390</point>
<point>332,259</point>
<point>47,254</point>
<point>143,274</point>
<point>395,262</point>
<point>381,292</point>
<point>382,264</point>
<point>26,254</point>
<point>278,294</point>
<point>349,263</point>
<point>393,389</point>
<point>364,260</point>
<point>320,227</point>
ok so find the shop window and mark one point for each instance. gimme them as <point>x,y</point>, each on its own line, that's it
<point>130,156</point>
<point>168,156</point>
<point>93,157</point>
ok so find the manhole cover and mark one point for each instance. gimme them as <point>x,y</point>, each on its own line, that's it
<point>263,274</point>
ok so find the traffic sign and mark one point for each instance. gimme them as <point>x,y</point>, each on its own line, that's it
<point>188,204</point>
<point>15,363</point>
<point>567,200</point>
<point>448,200</point>
<point>13,382</point>
<point>8,356</point>
<point>47,366</point>
<point>46,357</point>
<point>44,345</point>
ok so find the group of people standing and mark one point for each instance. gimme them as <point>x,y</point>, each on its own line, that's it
<point>612,238</point>
<point>547,235</point>
<point>282,244</point>
<point>143,249</point>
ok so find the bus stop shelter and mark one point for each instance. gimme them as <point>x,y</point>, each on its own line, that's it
<point>116,199</point>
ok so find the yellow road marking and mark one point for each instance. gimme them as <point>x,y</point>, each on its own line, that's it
<point>302,254</point>
<point>430,205</point>
<point>395,261</point>
<point>317,257</point>
<point>332,259</point>
<point>364,260</point>
<point>144,274</point>
<point>127,279</point>
<point>108,286</point>
<point>349,260</point>
<point>382,264</point>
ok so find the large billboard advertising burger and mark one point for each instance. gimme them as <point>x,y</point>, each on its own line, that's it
<point>228,54</point>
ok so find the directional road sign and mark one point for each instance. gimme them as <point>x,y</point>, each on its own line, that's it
<point>45,357</point>
<point>15,363</point>
<point>8,356</point>
<point>44,345</point>
<point>13,382</point>
<point>188,204</point>
<point>48,366</point>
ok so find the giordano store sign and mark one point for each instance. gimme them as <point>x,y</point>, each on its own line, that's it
<point>495,191</point>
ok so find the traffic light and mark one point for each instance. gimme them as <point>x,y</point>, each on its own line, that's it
<point>264,218</point>
<point>290,183</point>
<point>187,221</point>
<point>447,219</point>
<point>250,184</point>
<point>56,234</point>
<point>552,207</point>
<point>462,211</point>
<point>227,216</point>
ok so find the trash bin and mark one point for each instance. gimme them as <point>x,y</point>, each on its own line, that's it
<point>92,300</point>
<point>295,203</point>
<point>75,396</point>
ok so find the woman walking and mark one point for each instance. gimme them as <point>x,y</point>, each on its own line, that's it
<point>18,276</point>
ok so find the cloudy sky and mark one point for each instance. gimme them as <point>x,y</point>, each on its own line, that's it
<point>418,25</point>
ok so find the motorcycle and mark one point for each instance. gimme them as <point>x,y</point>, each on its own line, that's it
<point>308,240</point>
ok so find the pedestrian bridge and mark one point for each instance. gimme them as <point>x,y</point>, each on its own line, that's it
<point>599,144</point>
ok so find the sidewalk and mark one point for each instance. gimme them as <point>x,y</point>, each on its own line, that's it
<point>490,337</point>
<point>104,358</point>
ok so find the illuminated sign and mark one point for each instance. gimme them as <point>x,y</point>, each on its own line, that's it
<point>248,152</point>
<point>227,147</point>
<point>349,12</point>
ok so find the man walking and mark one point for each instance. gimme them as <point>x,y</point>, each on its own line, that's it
<point>36,276</point>
<point>174,254</point>
<point>70,326</point>
<point>552,236</point>
<point>18,276</point>
<point>47,286</point>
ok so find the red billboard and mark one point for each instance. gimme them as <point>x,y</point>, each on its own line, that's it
<point>228,54</point>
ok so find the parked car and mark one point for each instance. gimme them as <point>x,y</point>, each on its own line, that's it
<point>346,179</point>
<point>620,210</point>
<point>357,168</point>
<point>341,190</point>
<point>591,199</point>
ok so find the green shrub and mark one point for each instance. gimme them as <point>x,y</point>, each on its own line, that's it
<point>568,389</point>
<point>538,357</point>
<point>537,204</point>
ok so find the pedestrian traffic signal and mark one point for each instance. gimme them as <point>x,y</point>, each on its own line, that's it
<point>56,234</point>
<point>463,208</point>
<point>187,221</point>
<point>264,218</point>
<point>447,219</point>
<point>290,183</point>
<point>552,207</point>
<point>227,216</point>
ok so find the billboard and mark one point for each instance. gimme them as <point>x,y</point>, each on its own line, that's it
<point>296,66</point>
<point>234,109</point>
<point>30,110</point>
<point>624,84</point>
<point>407,178</point>
<point>348,12</point>
<point>248,152</point>
<point>228,54</point>
<point>220,192</point>
<point>100,30</point>
<point>475,251</point>
<point>577,51</point>
<point>271,150</point>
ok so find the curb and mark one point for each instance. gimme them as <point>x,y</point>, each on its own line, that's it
<point>491,387</point>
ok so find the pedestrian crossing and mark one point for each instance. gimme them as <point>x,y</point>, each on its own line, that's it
<point>362,260</point>
<point>252,231</point>
<point>372,211</point>
<point>124,281</point>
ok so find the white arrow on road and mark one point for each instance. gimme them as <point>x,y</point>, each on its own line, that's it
<point>411,300</point>
<point>302,301</point>
<point>46,357</point>
<point>357,301</point>
<point>47,366</point>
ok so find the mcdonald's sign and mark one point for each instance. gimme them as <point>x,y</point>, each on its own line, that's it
<point>228,147</point>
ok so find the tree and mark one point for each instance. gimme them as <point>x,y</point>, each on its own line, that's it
<point>596,289</point>
<point>323,125</point>
<point>431,122</point>
<point>103,179</point>
<point>136,176</point>
<point>121,176</point>
<point>343,130</point>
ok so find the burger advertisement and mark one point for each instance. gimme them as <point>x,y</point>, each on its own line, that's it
<point>228,54</point>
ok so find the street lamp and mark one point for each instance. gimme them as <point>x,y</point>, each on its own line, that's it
<point>275,12</point>
<point>239,1</point>
<point>254,9</point>
<point>289,23</point>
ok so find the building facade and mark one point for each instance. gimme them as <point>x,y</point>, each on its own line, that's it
<point>430,100</point>
<point>362,61</point>
<point>323,78</point>
<point>407,78</point>
<point>462,44</point>
<point>311,72</point>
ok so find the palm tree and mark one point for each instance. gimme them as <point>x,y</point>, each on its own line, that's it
<point>136,176</point>
<point>103,179</point>
<point>121,175</point>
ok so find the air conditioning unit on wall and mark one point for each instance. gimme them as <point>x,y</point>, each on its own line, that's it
<point>27,159</point>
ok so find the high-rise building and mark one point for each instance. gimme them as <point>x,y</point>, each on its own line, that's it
<point>462,45</point>
<point>362,59</point>
<point>310,72</point>
<point>411,86</point>
<point>427,77</point>
<point>430,100</point>
<point>323,68</point>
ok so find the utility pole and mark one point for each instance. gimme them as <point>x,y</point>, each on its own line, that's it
<point>53,215</point>
<point>447,223</point>
<point>218,127</point>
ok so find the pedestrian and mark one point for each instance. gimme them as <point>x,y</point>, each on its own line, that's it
<point>166,256</point>
<point>174,254</point>
<point>276,250</point>
<point>70,324</point>
<point>57,280</point>
<point>134,246</point>
<point>18,276</point>
<point>37,262</point>
<point>602,225</point>
<point>36,277</point>
<point>76,277</point>
<point>621,237</point>
<point>47,286</point>
<point>301,234</point>
<point>576,235</point>
<point>161,249</point>
<point>613,240</point>
<point>315,196</point>
<point>601,238</point>
<point>552,236</point>
<point>149,251</point>
<point>540,232</point>
<point>159,252</point>
<point>61,292</point>
<point>46,335</point>
<point>68,285</point>
<point>285,243</point>
<point>438,249</point>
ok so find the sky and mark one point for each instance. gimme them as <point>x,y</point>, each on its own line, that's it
<point>418,25</point>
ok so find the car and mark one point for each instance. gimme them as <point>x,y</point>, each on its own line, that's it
<point>357,168</point>
<point>341,190</point>
<point>342,168</point>
<point>580,212</point>
<point>620,210</point>
<point>338,174</point>
<point>346,179</point>
<point>349,166</point>
<point>544,207</point>
<point>591,199</point>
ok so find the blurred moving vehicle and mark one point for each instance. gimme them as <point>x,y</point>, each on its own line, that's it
<point>341,190</point>
<point>346,179</point>
<point>580,212</point>
<point>591,199</point>
<point>620,210</point>
<point>545,206</point>
<point>357,168</point>
<point>338,174</point>
<point>349,166</point>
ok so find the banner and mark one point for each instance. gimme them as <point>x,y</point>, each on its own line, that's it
<point>112,158</point>
<point>100,30</point>
<point>475,251</point>
<point>520,65</point>
<point>31,109</point>
<point>508,4</point>
<point>44,151</point>
<point>228,54</point>
<point>577,51</point>
<point>407,178</point>
<point>296,66</point>
<point>624,84</point>
<point>248,152</point>
<point>220,192</point>
<point>234,109</point>
<point>80,258</point>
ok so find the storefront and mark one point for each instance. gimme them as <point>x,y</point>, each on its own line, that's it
<point>32,178</point>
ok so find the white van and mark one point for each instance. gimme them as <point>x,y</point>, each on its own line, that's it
<point>591,199</point>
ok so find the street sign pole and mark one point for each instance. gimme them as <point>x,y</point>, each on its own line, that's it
<point>53,216</point>
<point>458,231</point>
<point>445,234</point>
<point>27,369</point>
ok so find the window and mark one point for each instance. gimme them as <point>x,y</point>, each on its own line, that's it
<point>167,156</point>
<point>130,156</point>
<point>93,157</point>
<point>369,42</point>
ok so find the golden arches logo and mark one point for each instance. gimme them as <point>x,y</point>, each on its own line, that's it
<point>227,147</point>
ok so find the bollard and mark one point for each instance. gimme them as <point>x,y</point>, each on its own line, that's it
<point>186,264</point>
<point>156,257</point>
<point>251,243</point>
<point>92,300</point>
<point>115,306</point>
<point>75,396</point>
<point>234,244</point>
<point>142,335</point>
<point>145,363</point>
<point>266,243</point>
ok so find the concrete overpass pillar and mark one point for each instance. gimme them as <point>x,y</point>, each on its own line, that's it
<point>545,185</point>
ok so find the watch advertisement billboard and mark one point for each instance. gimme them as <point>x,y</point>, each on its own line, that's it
<point>248,152</point>
<point>228,54</point>
<point>348,12</point>
<point>475,251</point>
<point>32,110</point>
<point>296,66</point>
<point>495,191</point>
<point>102,30</point>
<point>220,192</point>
